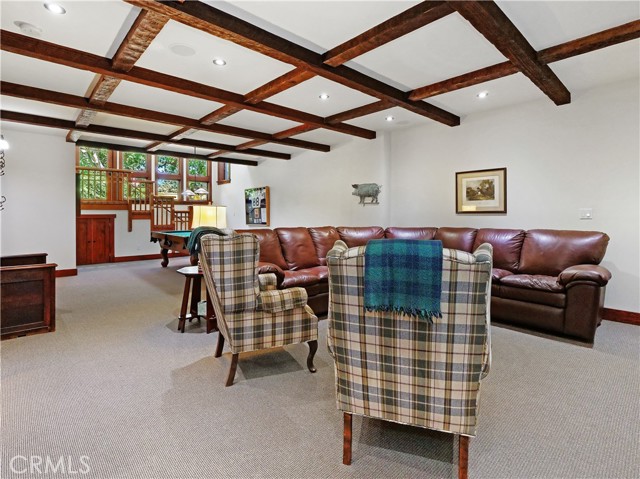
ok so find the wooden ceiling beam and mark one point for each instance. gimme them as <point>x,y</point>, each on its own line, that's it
<point>41,50</point>
<point>589,43</point>
<point>359,111</point>
<point>216,22</point>
<point>73,101</point>
<point>406,22</point>
<point>38,120</point>
<point>278,85</point>
<point>488,19</point>
<point>220,114</point>
<point>116,147</point>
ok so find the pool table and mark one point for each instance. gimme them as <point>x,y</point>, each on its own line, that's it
<point>172,241</point>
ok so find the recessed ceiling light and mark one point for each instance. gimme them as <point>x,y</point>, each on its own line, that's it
<point>28,29</point>
<point>483,94</point>
<point>389,118</point>
<point>323,96</point>
<point>55,8</point>
<point>219,62</point>
<point>182,50</point>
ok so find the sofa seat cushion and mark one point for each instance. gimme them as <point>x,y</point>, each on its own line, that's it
<point>497,274</point>
<point>302,278</point>
<point>533,281</point>
<point>528,295</point>
<point>321,271</point>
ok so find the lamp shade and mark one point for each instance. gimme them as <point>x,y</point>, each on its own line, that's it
<point>215,216</point>
<point>4,144</point>
<point>201,191</point>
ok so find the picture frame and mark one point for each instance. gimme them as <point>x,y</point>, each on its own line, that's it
<point>256,202</point>
<point>481,191</point>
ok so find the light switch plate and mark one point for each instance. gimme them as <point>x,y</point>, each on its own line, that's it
<point>586,213</point>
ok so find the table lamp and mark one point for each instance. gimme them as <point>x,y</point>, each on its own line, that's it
<point>204,215</point>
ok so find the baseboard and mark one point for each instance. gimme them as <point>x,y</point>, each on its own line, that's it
<point>144,257</point>
<point>620,316</point>
<point>60,273</point>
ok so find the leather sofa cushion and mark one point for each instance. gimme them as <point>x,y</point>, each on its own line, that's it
<point>270,251</point>
<point>323,238</point>
<point>410,233</point>
<point>297,248</point>
<point>359,235</point>
<point>507,245</point>
<point>302,278</point>
<point>527,295</point>
<point>533,281</point>
<point>456,238</point>
<point>551,251</point>
<point>497,274</point>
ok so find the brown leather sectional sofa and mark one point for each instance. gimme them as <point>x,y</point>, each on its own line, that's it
<point>544,280</point>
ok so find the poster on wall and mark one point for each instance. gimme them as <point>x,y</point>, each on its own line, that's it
<point>481,191</point>
<point>256,203</point>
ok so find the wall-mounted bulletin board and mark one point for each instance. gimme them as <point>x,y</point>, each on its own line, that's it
<point>256,202</point>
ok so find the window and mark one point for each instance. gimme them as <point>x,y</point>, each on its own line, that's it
<point>94,181</point>
<point>136,162</point>
<point>168,175</point>
<point>224,173</point>
<point>198,177</point>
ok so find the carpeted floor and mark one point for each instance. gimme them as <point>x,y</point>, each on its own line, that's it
<point>118,392</point>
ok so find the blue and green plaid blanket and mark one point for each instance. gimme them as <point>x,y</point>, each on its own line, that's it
<point>404,276</point>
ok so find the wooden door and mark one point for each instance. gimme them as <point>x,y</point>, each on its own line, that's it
<point>94,239</point>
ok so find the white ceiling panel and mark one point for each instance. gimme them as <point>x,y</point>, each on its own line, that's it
<point>76,28</point>
<point>324,24</point>
<point>545,24</point>
<point>257,121</point>
<point>115,121</point>
<point>401,119</point>
<point>217,138</point>
<point>245,69</point>
<point>50,76</point>
<point>38,108</point>
<point>113,139</point>
<point>323,136</point>
<point>143,96</point>
<point>305,96</point>
<point>7,126</point>
<point>441,50</point>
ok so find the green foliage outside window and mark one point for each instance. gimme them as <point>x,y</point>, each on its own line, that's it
<point>134,161</point>
<point>168,164</point>
<point>93,157</point>
<point>197,167</point>
<point>166,187</point>
<point>93,185</point>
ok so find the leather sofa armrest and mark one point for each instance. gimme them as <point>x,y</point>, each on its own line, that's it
<point>585,272</point>
<point>264,268</point>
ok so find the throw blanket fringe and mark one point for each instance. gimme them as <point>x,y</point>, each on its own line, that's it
<point>404,276</point>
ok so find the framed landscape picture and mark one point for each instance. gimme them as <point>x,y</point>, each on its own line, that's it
<point>481,191</point>
<point>256,202</point>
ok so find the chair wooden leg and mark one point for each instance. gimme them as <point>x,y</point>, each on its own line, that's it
<point>313,347</point>
<point>232,370</point>
<point>219,345</point>
<point>463,457</point>
<point>346,440</point>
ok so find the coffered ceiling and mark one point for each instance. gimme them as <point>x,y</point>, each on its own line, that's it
<point>141,72</point>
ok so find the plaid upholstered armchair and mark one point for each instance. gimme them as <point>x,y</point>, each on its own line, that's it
<point>251,313</point>
<point>403,368</point>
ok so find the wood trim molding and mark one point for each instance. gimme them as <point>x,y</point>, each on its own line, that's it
<point>145,257</point>
<point>61,273</point>
<point>620,316</point>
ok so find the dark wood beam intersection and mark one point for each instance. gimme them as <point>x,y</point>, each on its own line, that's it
<point>216,22</point>
<point>495,26</point>
<point>41,50</point>
<point>73,101</point>
<point>412,19</point>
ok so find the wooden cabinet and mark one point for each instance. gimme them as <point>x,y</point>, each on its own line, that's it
<point>94,239</point>
<point>27,295</point>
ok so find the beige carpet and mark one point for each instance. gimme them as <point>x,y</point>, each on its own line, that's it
<point>117,392</point>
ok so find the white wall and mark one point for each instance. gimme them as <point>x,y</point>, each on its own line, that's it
<point>559,159</point>
<point>39,184</point>
<point>314,189</point>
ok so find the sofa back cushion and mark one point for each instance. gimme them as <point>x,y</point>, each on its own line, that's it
<point>323,237</point>
<point>359,235</point>
<point>551,251</point>
<point>410,233</point>
<point>297,248</point>
<point>270,251</point>
<point>456,238</point>
<point>507,246</point>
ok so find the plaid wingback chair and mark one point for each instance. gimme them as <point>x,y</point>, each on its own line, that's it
<point>251,313</point>
<point>401,368</point>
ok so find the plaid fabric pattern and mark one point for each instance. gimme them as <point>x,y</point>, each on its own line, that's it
<point>267,281</point>
<point>282,300</point>
<point>404,276</point>
<point>229,266</point>
<point>401,368</point>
